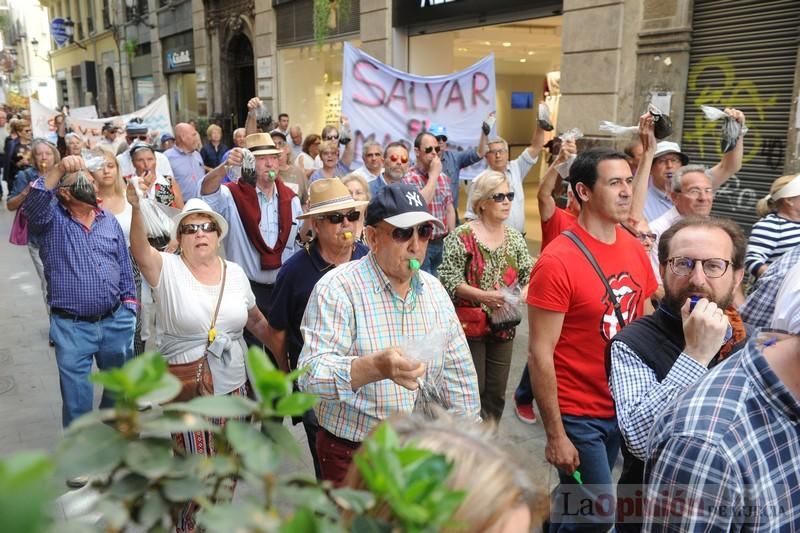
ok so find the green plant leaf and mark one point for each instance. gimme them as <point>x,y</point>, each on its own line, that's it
<point>128,486</point>
<point>216,406</point>
<point>167,388</point>
<point>183,489</point>
<point>115,514</point>
<point>357,501</point>
<point>312,497</point>
<point>255,449</point>
<point>238,516</point>
<point>150,457</point>
<point>296,404</point>
<point>152,511</point>
<point>369,524</point>
<point>282,437</point>
<point>176,423</point>
<point>25,492</point>
<point>258,362</point>
<point>93,450</point>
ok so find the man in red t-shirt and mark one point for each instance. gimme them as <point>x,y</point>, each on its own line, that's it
<point>554,220</point>
<point>571,320</point>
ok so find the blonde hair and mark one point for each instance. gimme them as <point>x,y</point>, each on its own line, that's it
<point>357,177</point>
<point>35,144</point>
<point>211,128</point>
<point>331,146</point>
<point>493,481</point>
<point>119,183</point>
<point>767,205</point>
<point>482,187</point>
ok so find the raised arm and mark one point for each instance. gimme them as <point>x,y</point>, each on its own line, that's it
<point>537,142</point>
<point>349,153</point>
<point>147,258</point>
<point>731,162</point>
<point>544,196</point>
<point>213,179</point>
<point>642,177</point>
<point>251,124</point>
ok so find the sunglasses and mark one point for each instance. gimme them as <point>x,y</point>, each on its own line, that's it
<point>430,149</point>
<point>395,158</point>
<point>205,227</point>
<point>338,218</point>
<point>501,196</point>
<point>332,138</point>
<point>424,232</point>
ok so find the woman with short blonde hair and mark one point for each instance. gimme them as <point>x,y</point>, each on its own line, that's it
<point>778,230</point>
<point>485,268</point>
<point>214,149</point>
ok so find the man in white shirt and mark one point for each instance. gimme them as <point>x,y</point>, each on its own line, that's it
<point>372,154</point>
<point>136,130</point>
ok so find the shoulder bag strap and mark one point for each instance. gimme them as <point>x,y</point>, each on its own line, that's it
<point>574,238</point>
<point>212,332</point>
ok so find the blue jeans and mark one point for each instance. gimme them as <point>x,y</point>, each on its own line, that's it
<point>597,441</point>
<point>523,395</point>
<point>433,257</point>
<point>109,342</point>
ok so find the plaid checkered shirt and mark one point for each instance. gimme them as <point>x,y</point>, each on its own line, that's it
<point>442,196</point>
<point>354,311</point>
<point>726,455</point>
<point>760,305</point>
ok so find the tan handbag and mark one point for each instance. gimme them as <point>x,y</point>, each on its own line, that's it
<point>196,377</point>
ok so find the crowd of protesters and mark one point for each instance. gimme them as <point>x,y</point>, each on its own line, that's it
<point>643,341</point>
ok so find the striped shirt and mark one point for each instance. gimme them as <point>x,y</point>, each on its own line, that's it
<point>354,311</point>
<point>88,271</point>
<point>770,238</point>
<point>725,455</point>
<point>442,196</point>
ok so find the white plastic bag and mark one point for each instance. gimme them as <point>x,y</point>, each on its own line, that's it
<point>429,349</point>
<point>731,129</point>
<point>544,117</point>
<point>618,130</point>
<point>570,135</point>
<point>157,223</point>
<point>509,315</point>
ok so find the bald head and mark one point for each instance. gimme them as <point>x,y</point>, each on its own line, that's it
<point>186,137</point>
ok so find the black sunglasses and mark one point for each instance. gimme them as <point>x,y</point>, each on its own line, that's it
<point>205,227</point>
<point>430,149</point>
<point>499,197</point>
<point>338,218</point>
<point>424,232</point>
<point>332,138</point>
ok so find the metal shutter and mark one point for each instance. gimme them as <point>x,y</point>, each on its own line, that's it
<point>743,55</point>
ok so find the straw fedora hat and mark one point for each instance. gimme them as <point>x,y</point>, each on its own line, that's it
<point>328,195</point>
<point>261,144</point>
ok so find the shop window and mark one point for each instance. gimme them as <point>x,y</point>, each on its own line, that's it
<point>142,49</point>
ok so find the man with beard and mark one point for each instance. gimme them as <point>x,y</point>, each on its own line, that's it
<point>572,316</point>
<point>262,216</point>
<point>657,357</point>
<point>395,166</point>
<point>91,293</point>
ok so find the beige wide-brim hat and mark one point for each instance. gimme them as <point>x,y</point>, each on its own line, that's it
<point>261,144</point>
<point>196,206</point>
<point>328,195</point>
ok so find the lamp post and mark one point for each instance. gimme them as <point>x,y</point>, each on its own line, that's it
<point>34,47</point>
<point>69,29</point>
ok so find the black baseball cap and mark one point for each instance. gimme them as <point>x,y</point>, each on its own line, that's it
<point>401,205</point>
<point>277,133</point>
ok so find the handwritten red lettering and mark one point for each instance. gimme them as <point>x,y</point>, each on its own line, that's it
<point>373,88</point>
<point>456,96</point>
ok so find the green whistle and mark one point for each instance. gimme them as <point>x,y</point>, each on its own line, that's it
<point>576,475</point>
<point>413,264</point>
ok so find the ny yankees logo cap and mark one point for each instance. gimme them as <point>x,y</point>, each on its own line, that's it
<point>401,205</point>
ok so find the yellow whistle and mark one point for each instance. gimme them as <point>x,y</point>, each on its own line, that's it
<point>212,334</point>
<point>347,235</point>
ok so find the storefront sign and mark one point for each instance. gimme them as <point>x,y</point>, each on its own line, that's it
<point>385,104</point>
<point>58,29</point>
<point>424,13</point>
<point>179,60</point>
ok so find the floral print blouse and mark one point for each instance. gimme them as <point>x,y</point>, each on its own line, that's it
<point>467,260</point>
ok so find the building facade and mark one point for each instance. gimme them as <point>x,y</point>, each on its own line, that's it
<point>594,59</point>
<point>27,42</point>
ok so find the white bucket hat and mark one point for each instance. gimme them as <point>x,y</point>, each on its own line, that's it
<point>196,206</point>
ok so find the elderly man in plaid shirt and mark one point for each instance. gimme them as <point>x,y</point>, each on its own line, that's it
<point>726,455</point>
<point>427,175</point>
<point>360,315</point>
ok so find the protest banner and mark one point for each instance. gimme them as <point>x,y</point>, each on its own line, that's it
<point>155,116</point>
<point>385,104</point>
<point>88,111</point>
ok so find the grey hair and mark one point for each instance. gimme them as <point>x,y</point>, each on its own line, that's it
<point>368,145</point>
<point>497,140</point>
<point>482,187</point>
<point>677,177</point>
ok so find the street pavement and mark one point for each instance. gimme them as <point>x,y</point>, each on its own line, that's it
<point>30,405</point>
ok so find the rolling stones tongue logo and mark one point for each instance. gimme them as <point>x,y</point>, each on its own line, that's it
<point>628,293</point>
